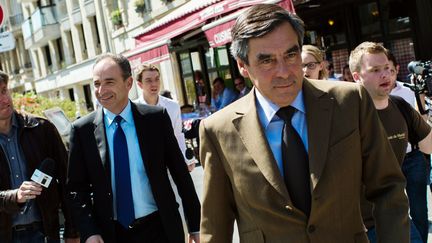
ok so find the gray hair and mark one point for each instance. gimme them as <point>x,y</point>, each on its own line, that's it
<point>259,21</point>
<point>122,61</point>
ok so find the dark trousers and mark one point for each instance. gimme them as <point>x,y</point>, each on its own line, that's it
<point>148,229</point>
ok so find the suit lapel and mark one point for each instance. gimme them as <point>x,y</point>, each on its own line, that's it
<point>143,135</point>
<point>319,109</point>
<point>251,133</point>
<point>99,134</point>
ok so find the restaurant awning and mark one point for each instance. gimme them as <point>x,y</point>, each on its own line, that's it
<point>151,43</point>
<point>218,32</point>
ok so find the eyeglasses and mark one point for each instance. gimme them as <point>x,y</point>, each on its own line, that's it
<point>237,84</point>
<point>310,65</point>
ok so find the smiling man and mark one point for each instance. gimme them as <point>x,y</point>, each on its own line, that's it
<point>287,161</point>
<point>119,156</point>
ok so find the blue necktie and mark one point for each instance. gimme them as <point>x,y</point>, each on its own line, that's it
<point>125,207</point>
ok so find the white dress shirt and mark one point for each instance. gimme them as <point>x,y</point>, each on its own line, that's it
<point>173,109</point>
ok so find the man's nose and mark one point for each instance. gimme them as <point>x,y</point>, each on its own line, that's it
<point>282,69</point>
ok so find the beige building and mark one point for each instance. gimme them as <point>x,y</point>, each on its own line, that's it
<point>57,42</point>
<point>14,59</point>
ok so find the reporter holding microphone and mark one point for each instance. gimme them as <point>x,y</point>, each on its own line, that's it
<point>32,177</point>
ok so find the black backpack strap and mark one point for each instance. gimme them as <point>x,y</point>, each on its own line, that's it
<point>406,109</point>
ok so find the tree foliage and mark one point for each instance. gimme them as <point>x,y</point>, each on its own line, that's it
<point>36,104</point>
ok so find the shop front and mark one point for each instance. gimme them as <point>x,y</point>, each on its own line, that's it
<point>191,47</point>
<point>337,27</point>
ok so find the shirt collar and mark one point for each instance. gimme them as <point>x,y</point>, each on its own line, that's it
<point>126,114</point>
<point>143,101</point>
<point>269,108</point>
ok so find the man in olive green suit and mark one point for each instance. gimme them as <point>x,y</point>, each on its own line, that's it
<point>249,161</point>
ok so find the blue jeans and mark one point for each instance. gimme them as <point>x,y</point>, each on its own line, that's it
<point>415,170</point>
<point>414,234</point>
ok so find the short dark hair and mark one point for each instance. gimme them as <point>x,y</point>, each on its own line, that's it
<point>259,21</point>
<point>144,68</point>
<point>240,78</point>
<point>4,78</point>
<point>122,61</point>
<point>218,80</point>
<point>345,67</point>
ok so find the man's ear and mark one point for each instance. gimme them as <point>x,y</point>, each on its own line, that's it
<point>356,77</point>
<point>242,68</point>
<point>129,82</point>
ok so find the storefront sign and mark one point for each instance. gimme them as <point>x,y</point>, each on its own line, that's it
<point>220,35</point>
<point>7,41</point>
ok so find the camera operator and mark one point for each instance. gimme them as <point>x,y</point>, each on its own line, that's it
<point>28,213</point>
<point>415,166</point>
<point>370,67</point>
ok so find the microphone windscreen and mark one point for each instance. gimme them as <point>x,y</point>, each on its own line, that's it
<point>189,153</point>
<point>47,166</point>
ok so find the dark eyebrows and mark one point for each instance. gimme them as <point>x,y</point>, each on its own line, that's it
<point>263,56</point>
<point>295,48</point>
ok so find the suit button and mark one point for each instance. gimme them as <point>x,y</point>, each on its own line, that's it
<point>311,228</point>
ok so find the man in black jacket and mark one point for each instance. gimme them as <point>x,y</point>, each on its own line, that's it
<point>117,177</point>
<point>28,212</point>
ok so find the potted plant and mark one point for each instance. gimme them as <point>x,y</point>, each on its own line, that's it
<point>140,6</point>
<point>167,1</point>
<point>116,17</point>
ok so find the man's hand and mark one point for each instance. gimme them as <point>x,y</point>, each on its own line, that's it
<point>72,240</point>
<point>28,190</point>
<point>194,238</point>
<point>191,167</point>
<point>95,239</point>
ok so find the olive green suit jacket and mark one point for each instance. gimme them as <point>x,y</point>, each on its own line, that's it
<point>347,146</point>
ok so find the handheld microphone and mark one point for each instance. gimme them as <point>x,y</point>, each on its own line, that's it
<point>43,175</point>
<point>190,156</point>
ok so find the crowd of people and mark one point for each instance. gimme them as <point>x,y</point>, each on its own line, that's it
<point>291,158</point>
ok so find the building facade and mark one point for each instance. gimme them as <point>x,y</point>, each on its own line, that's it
<point>57,41</point>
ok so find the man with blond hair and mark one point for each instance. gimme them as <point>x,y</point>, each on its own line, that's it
<point>369,65</point>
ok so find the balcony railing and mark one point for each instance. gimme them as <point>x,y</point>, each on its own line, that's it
<point>41,27</point>
<point>43,16</point>
<point>16,20</point>
<point>27,29</point>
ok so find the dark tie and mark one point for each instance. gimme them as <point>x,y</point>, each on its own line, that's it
<point>125,207</point>
<point>295,163</point>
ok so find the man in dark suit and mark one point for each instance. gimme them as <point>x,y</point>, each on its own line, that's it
<point>241,87</point>
<point>119,155</point>
<point>288,160</point>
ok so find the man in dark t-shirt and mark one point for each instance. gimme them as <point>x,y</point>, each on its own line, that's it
<point>370,67</point>
<point>397,128</point>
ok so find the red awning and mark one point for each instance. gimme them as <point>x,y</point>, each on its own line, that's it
<point>218,32</point>
<point>159,34</point>
<point>152,56</point>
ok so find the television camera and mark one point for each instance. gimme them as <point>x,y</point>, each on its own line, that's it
<point>421,82</point>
